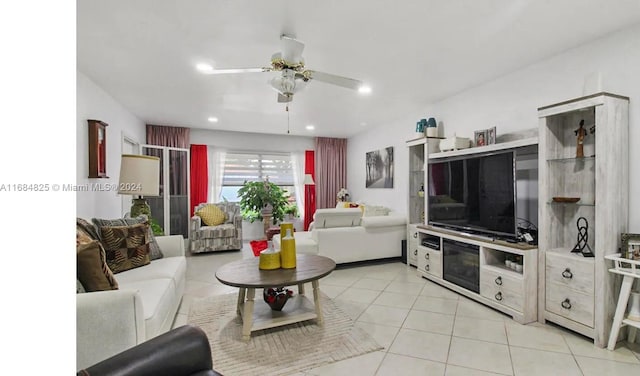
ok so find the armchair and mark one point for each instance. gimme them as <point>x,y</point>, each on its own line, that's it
<point>182,351</point>
<point>223,237</point>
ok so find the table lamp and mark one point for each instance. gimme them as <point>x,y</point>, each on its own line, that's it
<point>139,176</point>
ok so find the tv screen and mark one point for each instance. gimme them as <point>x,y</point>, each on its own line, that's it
<point>475,193</point>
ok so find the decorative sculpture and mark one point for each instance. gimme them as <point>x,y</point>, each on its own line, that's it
<point>581,133</point>
<point>583,238</point>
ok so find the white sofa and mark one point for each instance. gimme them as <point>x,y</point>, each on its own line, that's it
<point>144,306</point>
<point>345,235</point>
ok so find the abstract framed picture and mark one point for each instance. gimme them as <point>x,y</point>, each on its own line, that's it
<point>379,168</point>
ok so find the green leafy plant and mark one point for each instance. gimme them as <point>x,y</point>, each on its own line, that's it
<point>291,209</point>
<point>155,227</point>
<point>258,195</point>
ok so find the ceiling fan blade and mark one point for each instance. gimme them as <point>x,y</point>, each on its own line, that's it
<point>291,49</point>
<point>284,98</point>
<point>237,70</point>
<point>349,83</point>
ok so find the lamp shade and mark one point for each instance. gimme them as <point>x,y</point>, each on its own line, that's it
<point>139,175</point>
<point>308,180</point>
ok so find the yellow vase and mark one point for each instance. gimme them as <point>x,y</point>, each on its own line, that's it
<point>288,251</point>
<point>269,259</point>
<point>283,229</point>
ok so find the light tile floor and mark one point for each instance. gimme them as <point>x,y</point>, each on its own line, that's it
<point>427,329</point>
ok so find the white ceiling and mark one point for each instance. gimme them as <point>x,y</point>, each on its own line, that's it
<point>144,52</point>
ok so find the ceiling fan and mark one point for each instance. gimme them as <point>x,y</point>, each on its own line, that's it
<point>294,75</point>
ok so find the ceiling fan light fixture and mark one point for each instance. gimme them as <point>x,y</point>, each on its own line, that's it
<point>287,84</point>
<point>204,68</point>
<point>364,89</point>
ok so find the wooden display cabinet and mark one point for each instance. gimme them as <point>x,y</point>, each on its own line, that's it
<point>583,205</point>
<point>97,149</point>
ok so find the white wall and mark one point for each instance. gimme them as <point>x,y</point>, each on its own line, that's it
<point>94,103</point>
<point>510,103</point>
<point>251,141</point>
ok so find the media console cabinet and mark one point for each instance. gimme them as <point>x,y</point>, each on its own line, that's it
<point>481,269</point>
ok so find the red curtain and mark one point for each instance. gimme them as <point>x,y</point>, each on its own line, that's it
<point>199,175</point>
<point>309,190</point>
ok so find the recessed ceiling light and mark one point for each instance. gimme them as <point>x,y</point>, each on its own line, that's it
<point>363,124</point>
<point>310,127</point>
<point>213,119</point>
<point>202,67</point>
<point>364,89</point>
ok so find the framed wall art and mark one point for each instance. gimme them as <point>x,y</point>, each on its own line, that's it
<point>379,168</point>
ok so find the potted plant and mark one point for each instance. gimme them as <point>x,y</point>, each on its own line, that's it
<point>258,196</point>
<point>291,210</point>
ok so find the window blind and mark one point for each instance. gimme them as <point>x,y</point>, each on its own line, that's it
<point>241,167</point>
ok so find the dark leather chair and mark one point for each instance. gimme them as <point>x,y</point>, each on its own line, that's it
<point>182,351</point>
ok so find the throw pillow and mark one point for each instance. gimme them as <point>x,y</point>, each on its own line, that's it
<point>127,247</point>
<point>88,228</point>
<point>154,248</point>
<point>92,271</point>
<point>211,215</point>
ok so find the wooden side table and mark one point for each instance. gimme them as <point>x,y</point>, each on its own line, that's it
<point>629,273</point>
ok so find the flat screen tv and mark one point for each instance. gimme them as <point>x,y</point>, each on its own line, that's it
<point>474,193</point>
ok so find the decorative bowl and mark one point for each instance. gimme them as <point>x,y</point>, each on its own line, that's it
<point>276,297</point>
<point>566,199</point>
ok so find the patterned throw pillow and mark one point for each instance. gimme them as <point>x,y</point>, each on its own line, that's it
<point>93,273</point>
<point>154,248</point>
<point>127,247</point>
<point>211,215</point>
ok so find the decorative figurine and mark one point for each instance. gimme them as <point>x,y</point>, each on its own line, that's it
<point>583,238</point>
<point>581,133</point>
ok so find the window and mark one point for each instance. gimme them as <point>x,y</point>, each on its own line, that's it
<point>241,167</point>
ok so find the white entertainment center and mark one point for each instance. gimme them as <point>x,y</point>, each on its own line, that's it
<point>497,273</point>
<point>509,290</point>
<point>581,151</point>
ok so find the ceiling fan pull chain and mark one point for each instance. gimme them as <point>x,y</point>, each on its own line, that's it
<point>287,118</point>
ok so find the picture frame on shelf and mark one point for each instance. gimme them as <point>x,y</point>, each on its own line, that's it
<point>491,136</point>
<point>480,138</point>
<point>630,246</point>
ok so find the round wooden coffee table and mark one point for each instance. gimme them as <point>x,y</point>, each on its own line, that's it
<point>246,275</point>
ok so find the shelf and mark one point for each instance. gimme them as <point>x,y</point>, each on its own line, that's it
<point>588,204</point>
<point>487,148</point>
<point>572,159</point>
<point>633,323</point>
<point>503,269</point>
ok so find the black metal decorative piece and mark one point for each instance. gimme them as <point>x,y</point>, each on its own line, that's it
<point>583,237</point>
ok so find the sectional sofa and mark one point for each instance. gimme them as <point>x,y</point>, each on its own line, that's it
<point>143,306</point>
<point>349,235</point>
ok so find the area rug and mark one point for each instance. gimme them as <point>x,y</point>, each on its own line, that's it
<point>277,351</point>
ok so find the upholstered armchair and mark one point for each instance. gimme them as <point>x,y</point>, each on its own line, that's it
<point>215,227</point>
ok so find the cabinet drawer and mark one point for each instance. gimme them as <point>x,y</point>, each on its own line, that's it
<point>570,271</point>
<point>412,255</point>
<point>569,303</point>
<point>502,279</point>
<point>430,261</point>
<point>499,294</point>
